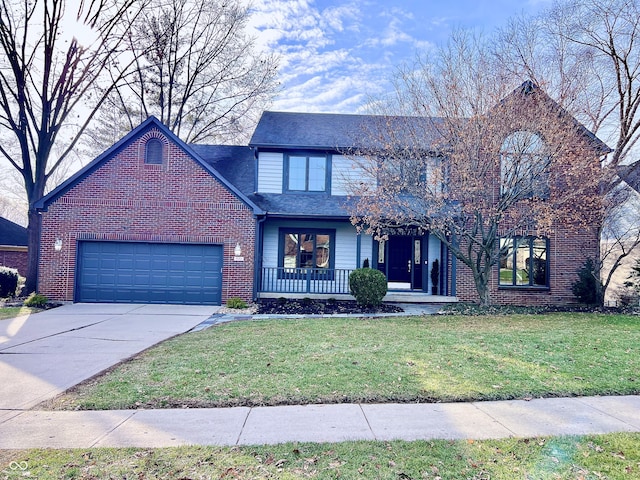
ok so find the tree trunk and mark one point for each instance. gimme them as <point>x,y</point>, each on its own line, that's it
<point>33,241</point>
<point>482,288</point>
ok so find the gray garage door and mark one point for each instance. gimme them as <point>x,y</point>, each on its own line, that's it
<point>127,272</point>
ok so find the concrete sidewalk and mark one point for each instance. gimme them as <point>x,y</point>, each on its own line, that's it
<point>320,423</point>
<point>42,355</point>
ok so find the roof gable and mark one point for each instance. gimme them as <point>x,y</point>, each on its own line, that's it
<point>529,88</point>
<point>140,130</point>
<point>12,234</point>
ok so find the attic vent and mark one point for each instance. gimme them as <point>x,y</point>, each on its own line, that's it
<point>528,87</point>
<point>153,152</point>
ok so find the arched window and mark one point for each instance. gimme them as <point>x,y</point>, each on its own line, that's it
<point>153,152</point>
<point>524,166</point>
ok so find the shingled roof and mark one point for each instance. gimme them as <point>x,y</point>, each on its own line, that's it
<point>237,165</point>
<point>631,175</point>
<point>343,132</point>
<point>12,233</point>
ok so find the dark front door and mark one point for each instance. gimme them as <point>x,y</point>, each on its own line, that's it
<point>400,259</point>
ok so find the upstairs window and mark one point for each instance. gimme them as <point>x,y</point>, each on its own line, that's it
<point>153,152</point>
<point>412,174</point>
<point>524,166</point>
<point>524,262</point>
<point>306,173</point>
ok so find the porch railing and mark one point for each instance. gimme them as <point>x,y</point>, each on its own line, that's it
<point>305,280</point>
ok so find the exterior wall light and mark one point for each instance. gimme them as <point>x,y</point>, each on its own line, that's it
<point>237,253</point>
<point>58,244</point>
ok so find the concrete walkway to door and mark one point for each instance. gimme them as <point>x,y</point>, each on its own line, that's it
<point>44,354</point>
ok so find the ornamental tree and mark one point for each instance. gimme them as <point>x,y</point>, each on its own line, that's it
<point>475,160</point>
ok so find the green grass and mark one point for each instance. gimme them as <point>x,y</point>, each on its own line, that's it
<point>611,456</point>
<point>433,358</point>
<point>11,312</point>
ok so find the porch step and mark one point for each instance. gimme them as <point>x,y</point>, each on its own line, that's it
<point>417,297</point>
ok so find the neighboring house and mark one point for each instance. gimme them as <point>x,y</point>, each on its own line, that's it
<point>156,220</point>
<point>13,246</point>
<point>631,175</point>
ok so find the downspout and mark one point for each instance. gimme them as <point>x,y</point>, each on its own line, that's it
<point>257,270</point>
<point>39,212</point>
<point>454,267</point>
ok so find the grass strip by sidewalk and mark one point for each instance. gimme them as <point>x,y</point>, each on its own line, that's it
<point>611,456</point>
<point>11,312</point>
<point>431,358</point>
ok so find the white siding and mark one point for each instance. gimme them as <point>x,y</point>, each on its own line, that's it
<point>345,172</point>
<point>270,171</point>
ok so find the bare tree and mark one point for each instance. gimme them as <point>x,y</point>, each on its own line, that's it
<point>478,162</point>
<point>197,71</point>
<point>587,55</point>
<point>52,83</point>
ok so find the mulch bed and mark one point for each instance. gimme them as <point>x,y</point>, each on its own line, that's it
<point>320,307</point>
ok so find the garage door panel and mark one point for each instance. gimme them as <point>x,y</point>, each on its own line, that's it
<point>128,272</point>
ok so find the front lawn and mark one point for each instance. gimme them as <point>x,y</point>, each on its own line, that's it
<point>11,312</point>
<point>406,359</point>
<point>612,456</point>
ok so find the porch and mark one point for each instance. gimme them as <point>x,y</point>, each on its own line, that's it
<point>322,283</point>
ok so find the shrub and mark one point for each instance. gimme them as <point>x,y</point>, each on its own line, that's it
<point>626,295</point>
<point>634,277</point>
<point>36,300</point>
<point>435,276</point>
<point>585,287</point>
<point>368,285</point>
<point>8,282</point>
<point>235,302</point>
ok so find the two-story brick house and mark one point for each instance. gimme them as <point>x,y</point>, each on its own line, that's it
<point>156,220</point>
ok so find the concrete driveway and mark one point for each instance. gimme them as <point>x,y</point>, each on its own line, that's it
<point>42,355</point>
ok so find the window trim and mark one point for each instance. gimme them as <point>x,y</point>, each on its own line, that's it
<point>302,272</point>
<point>307,155</point>
<point>530,242</point>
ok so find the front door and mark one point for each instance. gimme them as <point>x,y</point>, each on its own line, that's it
<point>400,259</point>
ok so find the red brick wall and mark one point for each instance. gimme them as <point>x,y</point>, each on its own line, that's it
<point>14,259</point>
<point>568,251</point>
<point>127,200</point>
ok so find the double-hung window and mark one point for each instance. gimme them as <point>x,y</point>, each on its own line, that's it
<point>306,173</point>
<point>524,262</point>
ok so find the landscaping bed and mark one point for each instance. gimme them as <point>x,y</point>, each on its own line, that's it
<point>307,306</point>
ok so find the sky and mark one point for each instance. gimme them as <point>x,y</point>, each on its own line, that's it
<point>337,55</point>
